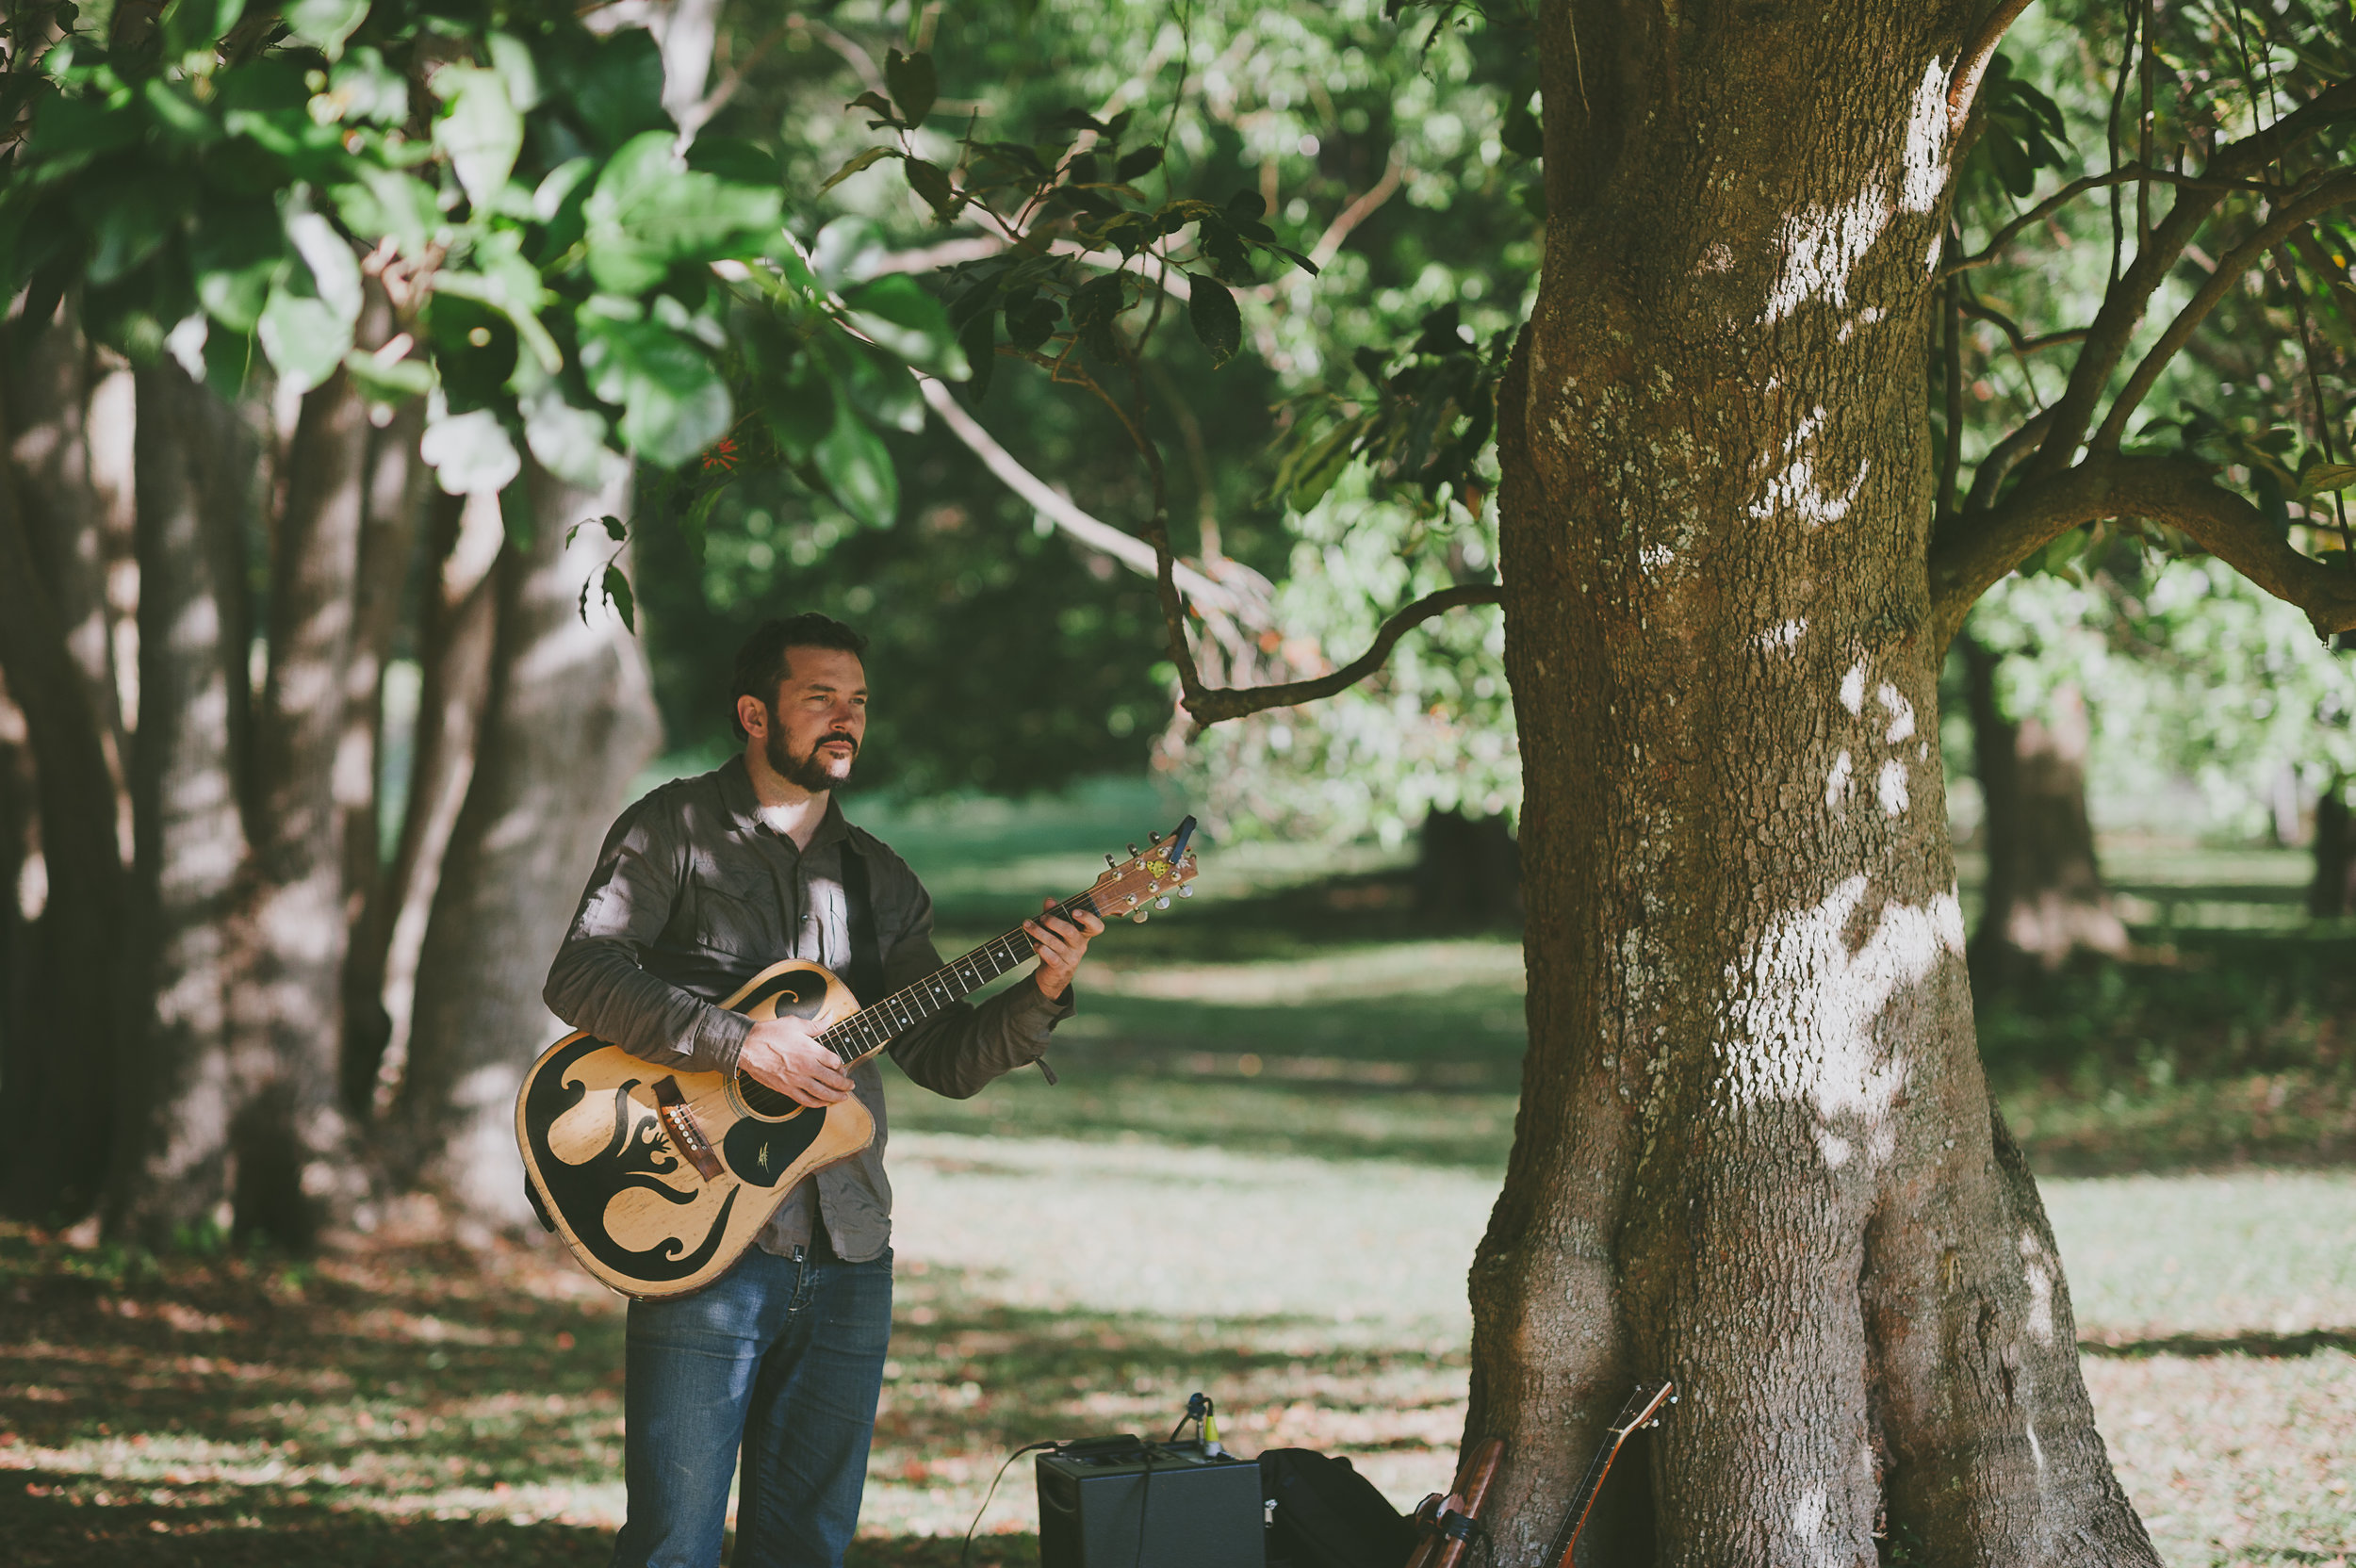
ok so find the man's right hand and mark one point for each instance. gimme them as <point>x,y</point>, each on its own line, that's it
<point>783,1053</point>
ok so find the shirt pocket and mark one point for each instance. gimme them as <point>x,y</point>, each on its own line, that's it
<point>737,916</point>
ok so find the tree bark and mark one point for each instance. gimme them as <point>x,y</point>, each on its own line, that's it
<point>569,721</point>
<point>181,1098</point>
<point>1755,1152</point>
<point>62,1063</point>
<point>396,492</point>
<point>295,1168</point>
<point>2044,899</point>
<point>18,828</point>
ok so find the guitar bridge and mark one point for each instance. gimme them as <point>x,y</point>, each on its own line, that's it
<point>687,1135</point>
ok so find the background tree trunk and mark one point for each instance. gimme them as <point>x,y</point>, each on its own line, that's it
<point>456,628</point>
<point>569,721</point>
<point>294,1159</point>
<point>2332,890</point>
<point>180,1097</point>
<point>2044,899</point>
<point>17,836</point>
<point>396,490</point>
<point>61,1066</point>
<point>1467,871</point>
<point>1755,1151</point>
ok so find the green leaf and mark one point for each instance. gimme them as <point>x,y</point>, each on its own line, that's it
<point>2324,477</point>
<point>897,312</point>
<point>236,250</point>
<point>910,78</point>
<point>325,24</point>
<point>730,158</point>
<point>387,202</point>
<point>980,342</point>
<point>389,381</point>
<point>801,409</point>
<point>617,92</point>
<point>469,453</point>
<point>933,185</point>
<point>674,403</point>
<point>480,131</point>
<point>568,442</point>
<point>876,103</point>
<point>1144,160</point>
<point>1217,321</point>
<point>617,594</point>
<point>856,467</point>
<point>864,160</point>
<point>648,213</point>
<point>1031,322</point>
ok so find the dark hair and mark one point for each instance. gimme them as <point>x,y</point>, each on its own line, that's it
<point>761,663</point>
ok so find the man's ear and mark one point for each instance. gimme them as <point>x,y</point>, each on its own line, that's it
<point>751,714</point>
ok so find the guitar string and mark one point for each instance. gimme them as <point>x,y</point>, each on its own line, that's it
<point>875,1026</point>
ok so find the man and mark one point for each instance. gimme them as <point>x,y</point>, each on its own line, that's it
<point>701,885</point>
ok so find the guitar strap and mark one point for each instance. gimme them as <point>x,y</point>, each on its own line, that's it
<point>865,975</point>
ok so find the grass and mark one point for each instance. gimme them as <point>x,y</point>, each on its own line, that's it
<point>1284,1113</point>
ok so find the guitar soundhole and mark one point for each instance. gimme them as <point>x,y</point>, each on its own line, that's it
<point>763,1101</point>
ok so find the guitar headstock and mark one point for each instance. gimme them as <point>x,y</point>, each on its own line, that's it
<point>1149,877</point>
<point>1644,1406</point>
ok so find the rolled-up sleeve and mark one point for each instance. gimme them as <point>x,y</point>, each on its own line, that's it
<point>598,982</point>
<point>964,1046</point>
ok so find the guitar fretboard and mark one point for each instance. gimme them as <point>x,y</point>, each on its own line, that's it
<point>879,1023</point>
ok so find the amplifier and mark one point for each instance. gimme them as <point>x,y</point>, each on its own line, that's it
<point>1150,1506</point>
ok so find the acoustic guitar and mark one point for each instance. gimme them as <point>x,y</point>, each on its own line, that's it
<point>1642,1409</point>
<point>658,1180</point>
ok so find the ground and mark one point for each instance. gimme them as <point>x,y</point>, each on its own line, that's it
<point>1284,1114</point>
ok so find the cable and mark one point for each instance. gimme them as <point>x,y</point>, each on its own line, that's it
<point>964,1555</point>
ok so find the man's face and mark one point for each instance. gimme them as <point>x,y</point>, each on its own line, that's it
<point>819,719</point>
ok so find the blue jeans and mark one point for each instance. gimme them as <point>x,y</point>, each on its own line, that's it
<point>781,1356</point>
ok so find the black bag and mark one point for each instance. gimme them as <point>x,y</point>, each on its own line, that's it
<point>1327,1515</point>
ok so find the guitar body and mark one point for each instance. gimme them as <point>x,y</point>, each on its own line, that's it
<point>602,1144</point>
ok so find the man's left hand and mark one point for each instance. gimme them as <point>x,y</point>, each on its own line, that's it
<point>1062,941</point>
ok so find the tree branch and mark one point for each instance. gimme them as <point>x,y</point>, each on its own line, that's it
<point>2176,491</point>
<point>1328,244</point>
<point>2124,305</point>
<point>2241,259</point>
<point>1127,549</point>
<point>1211,706</point>
<point>1971,65</point>
<point>2022,343</point>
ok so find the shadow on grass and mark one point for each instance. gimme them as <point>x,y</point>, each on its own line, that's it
<point>396,1404</point>
<point>2265,1347</point>
<point>45,1524</point>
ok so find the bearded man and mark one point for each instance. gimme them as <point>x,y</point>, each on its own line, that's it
<point>700,886</point>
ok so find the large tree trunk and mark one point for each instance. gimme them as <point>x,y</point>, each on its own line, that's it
<point>396,503</point>
<point>2044,899</point>
<point>17,828</point>
<point>180,1097</point>
<point>570,720</point>
<point>63,1057</point>
<point>294,1158</point>
<point>1756,1152</point>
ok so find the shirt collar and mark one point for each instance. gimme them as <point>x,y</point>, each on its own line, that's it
<point>736,790</point>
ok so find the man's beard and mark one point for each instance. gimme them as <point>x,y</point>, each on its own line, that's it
<point>807,771</point>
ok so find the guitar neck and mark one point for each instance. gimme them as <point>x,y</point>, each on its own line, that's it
<point>1641,1407</point>
<point>879,1023</point>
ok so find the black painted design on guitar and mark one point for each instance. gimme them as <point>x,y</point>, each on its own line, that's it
<point>759,1151</point>
<point>635,1156</point>
<point>800,992</point>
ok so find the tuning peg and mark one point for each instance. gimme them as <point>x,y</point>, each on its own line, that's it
<point>1186,890</point>
<point>1140,916</point>
<point>1133,849</point>
<point>1162,903</point>
<point>1153,838</point>
<point>1110,861</point>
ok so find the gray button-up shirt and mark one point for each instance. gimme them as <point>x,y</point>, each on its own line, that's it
<point>694,894</point>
